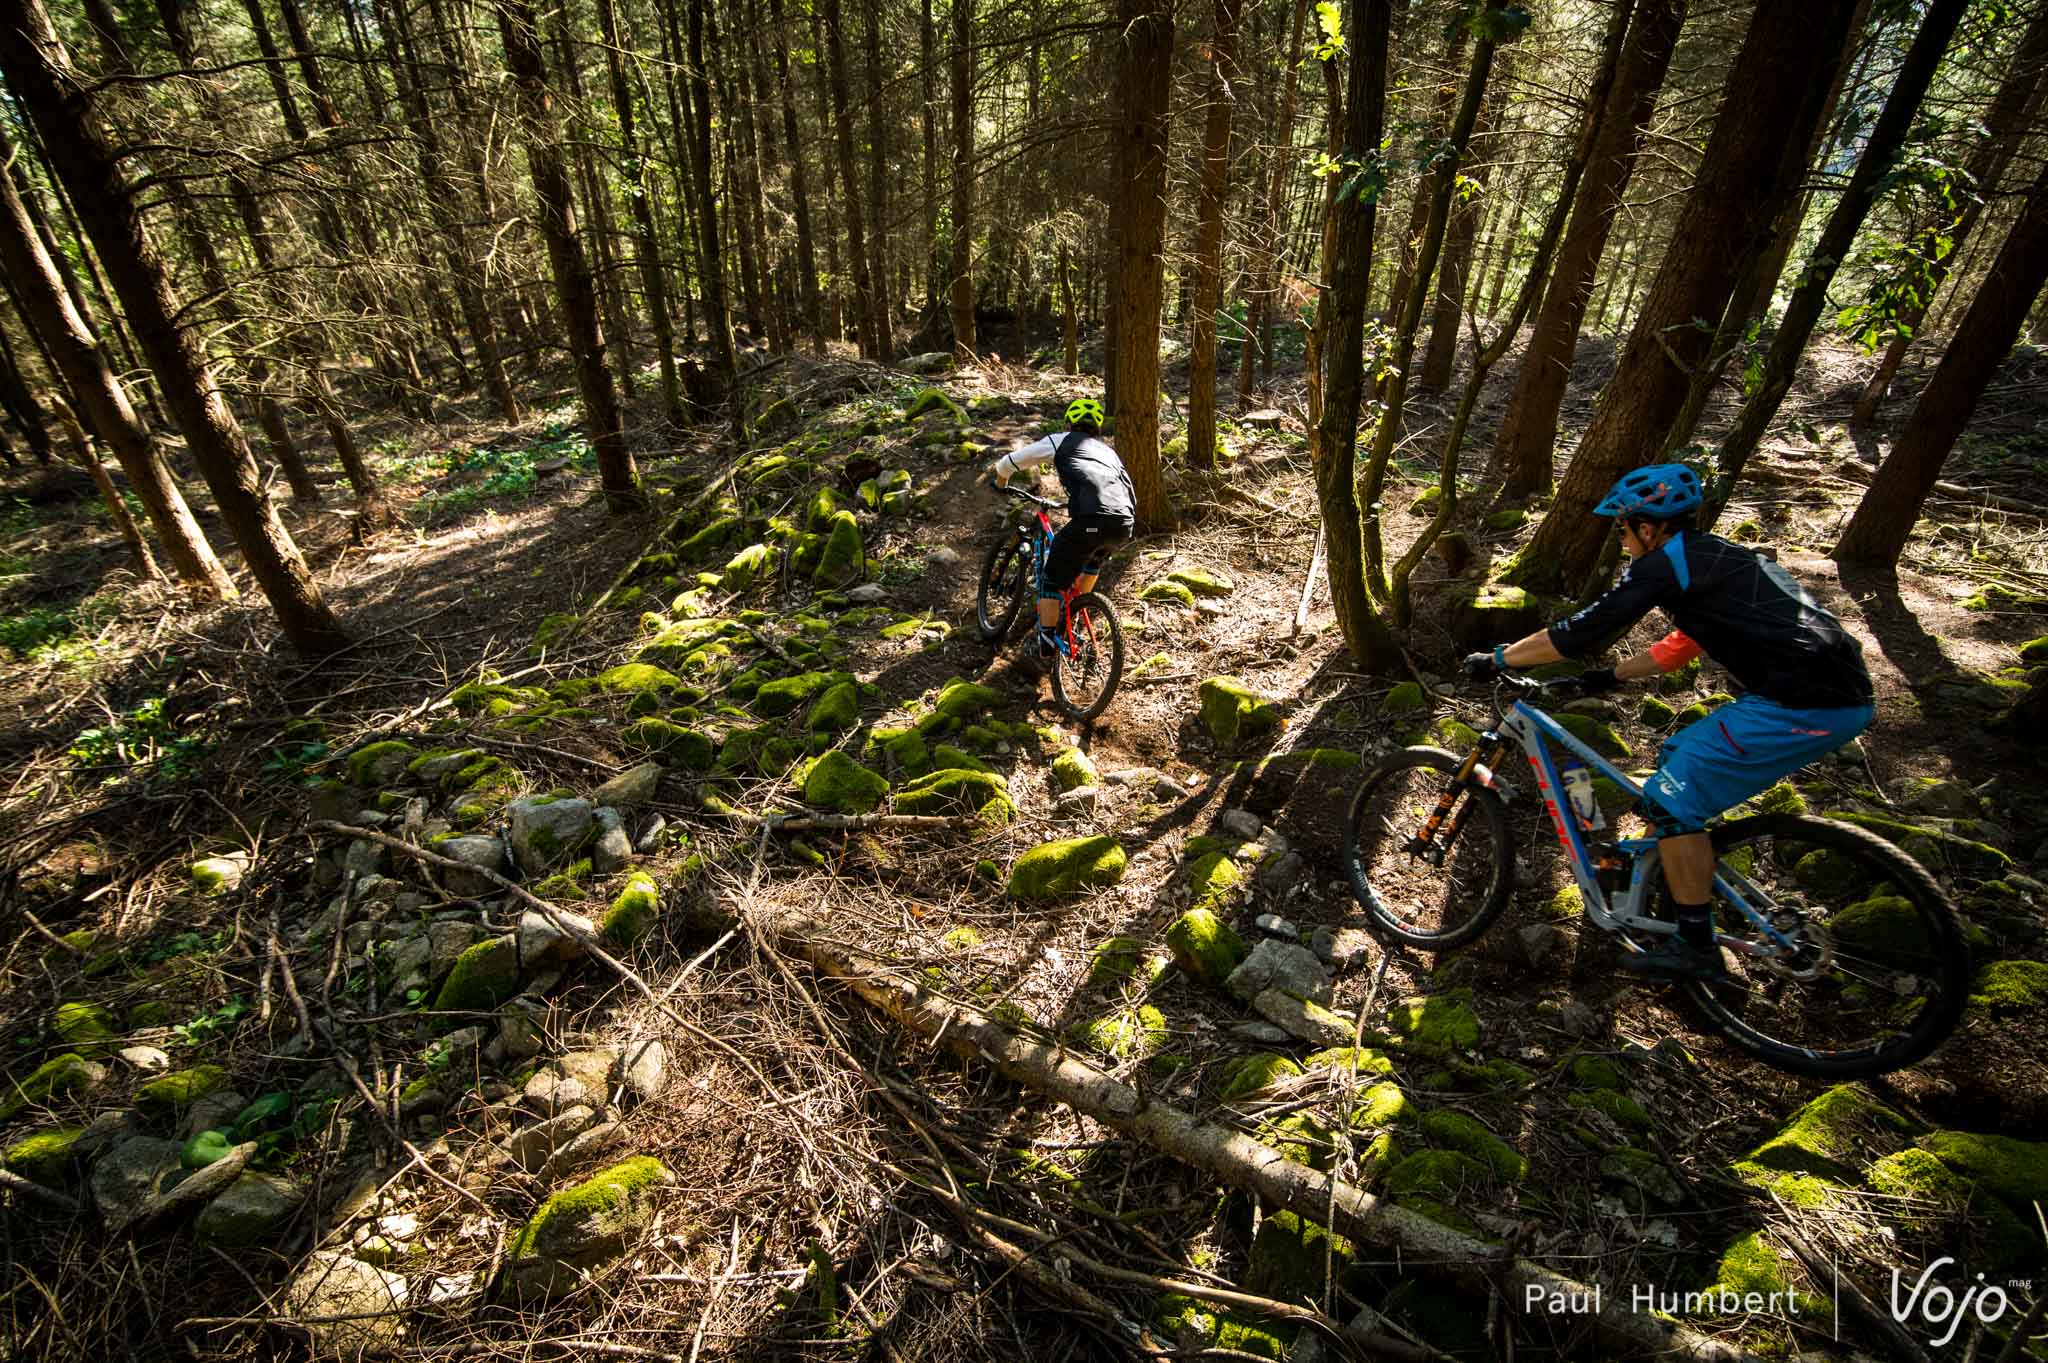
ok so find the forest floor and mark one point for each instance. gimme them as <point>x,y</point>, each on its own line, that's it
<point>407,1063</point>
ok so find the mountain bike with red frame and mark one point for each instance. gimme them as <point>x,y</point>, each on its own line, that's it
<point>1089,660</point>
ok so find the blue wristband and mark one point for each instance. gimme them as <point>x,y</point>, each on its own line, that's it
<point>1500,657</point>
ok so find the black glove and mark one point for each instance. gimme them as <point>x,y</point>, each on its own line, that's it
<point>1481,667</point>
<point>1598,682</point>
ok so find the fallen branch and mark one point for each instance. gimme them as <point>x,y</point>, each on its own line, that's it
<point>1308,588</point>
<point>15,1183</point>
<point>1880,1323</point>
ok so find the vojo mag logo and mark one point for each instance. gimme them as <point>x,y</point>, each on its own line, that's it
<point>1937,1306</point>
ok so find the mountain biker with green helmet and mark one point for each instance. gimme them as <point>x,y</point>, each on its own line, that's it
<point>1805,689</point>
<point>1102,508</point>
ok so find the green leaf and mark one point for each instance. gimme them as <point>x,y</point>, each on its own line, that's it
<point>205,1148</point>
<point>264,1110</point>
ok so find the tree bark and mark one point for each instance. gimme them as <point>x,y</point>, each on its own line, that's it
<point>2004,126</point>
<point>878,186</point>
<point>1209,237</point>
<point>1884,520</point>
<point>710,257</point>
<point>574,288</point>
<point>610,286</point>
<point>1265,277</point>
<point>864,304</point>
<point>40,75</point>
<point>1144,70</point>
<point>640,190</point>
<point>1460,239</point>
<point>1880,154</point>
<point>1525,446</point>
<point>1371,644</point>
<point>960,254</point>
<point>800,193</point>
<point>1741,186</point>
<point>928,120</point>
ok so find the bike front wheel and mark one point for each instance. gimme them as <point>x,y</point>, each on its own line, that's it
<point>1878,971</point>
<point>1001,593</point>
<point>1084,679</point>
<point>1437,895</point>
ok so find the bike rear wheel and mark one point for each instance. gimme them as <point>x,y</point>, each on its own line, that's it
<point>1084,680</point>
<point>1406,893</point>
<point>1881,972</point>
<point>1000,596</point>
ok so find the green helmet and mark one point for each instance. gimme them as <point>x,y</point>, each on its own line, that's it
<point>1084,412</point>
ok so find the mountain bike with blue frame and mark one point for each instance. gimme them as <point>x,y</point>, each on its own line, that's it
<point>1089,660</point>
<point>1845,960</point>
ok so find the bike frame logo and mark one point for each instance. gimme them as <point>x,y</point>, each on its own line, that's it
<point>1938,1307</point>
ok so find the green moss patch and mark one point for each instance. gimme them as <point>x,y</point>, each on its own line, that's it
<point>838,783</point>
<point>836,709</point>
<point>1601,738</point>
<point>1172,593</point>
<point>2003,987</point>
<point>1251,1073</point>
<point>484,976</point>
<point>58,1077</point>
<point>633,914</point>
<point>1205,947</point>
<point>1127,1034</point>
<point>1438,1024</point>
<point>1457,1131</point>
<point>1054,869</point>
<point>674,744</point>
<point>47,1157</point>
<point>1821,1144</point>
<point>1439,1174</point>
<point>1232,712</point>
<point>1405,699</point>
<point>1202,582</point>
<point>170,1095</point>
<point>1114,960</point>
<point>1214,881</point>
<point>958,790</point>
<point>1071,769</point>
<point>84,1027</point>
<point>632,679</point>
<point>2013,1170</point>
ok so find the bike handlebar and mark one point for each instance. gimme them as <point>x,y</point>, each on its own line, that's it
<point>1046,502</point>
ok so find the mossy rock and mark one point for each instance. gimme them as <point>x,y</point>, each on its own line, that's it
<point>1175,593</point>
<point>1438,1174</point>
<point>1405,699</point>
<point>840,560</point>
<point>585,1225</point>
<point>1480,615</point>
<point>379,763</point>
<point>1426,500</point>
<point>633,914</point>
<point>1508,518</point>
<point>1944,1208</point>
<point>484,976</point>
<point>1568,903</point>
<point>1205,947</point>
<point>1126,1034</point>
<point>1456,735</point>
<point>1783,798</point>
<point>929,399</point>
<point>823,505</point>
<point>1456,1131</point>
<point>842,785</point>
<point>1202,582</point>
<point>785,694</point>
<point>962,700</point>
<point>674,744</point>
<point>61,1076</point>
<point>1385,1105</point>
<point>169,1096</point>
<point>1751,1265</point>
<point>1054,869</point>
<point>743,569</point>
<point>1821,1144</point>
<point>636,679</point>
<point>46,1157</point>
<point>836,709</point>
<point>1617,1107</point>
<point>908,751</point>
<point>1251,1073</point>
<point>1997,596</point>
<point>946,755</point>
<point>84,1027</point>
<point>1354,1059</point>
<point>1288,1257</point>
<point>1655,712</point>
<point>1831,875</point>
<point>1601,738</point>
<point>1438,1024</point>
<point>1886,929</point>
<point>1979,860</point>
<point>1597,1072</point>
<point>2003,987</point>
<point>1214,881</point>
<point>1232,712</point>
<point>959,790</point>
<point>2012,1170</point>
<point>1072,769</point>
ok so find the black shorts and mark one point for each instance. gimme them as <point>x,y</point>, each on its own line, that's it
<point>1084,542</point>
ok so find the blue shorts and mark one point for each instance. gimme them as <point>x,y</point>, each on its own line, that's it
<point>1718,762</point>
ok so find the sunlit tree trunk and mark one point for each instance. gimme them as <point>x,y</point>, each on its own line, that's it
<point>799,188</point>
<point>1144,69</point>
<point>960,266</point>
<point>878,186</point>
<point>864,298</point>
<point>1209,237</point>
<point>640,192</point>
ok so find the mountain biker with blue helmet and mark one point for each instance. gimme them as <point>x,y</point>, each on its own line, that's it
<point>1102,508</point>
<point>1806,691</point>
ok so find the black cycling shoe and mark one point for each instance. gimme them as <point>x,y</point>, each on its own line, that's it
<point>1677,957</point>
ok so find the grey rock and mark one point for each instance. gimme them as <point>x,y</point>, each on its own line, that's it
<point>943,557</point>
<point>580,1078</point>
<point>215,1111</point>
<point>867,594</point>
<point>368,818</point>
<point>1276,925</point>
<point>448,940</point>
<point>431,770</point>
<point>1299,1018</point>
<point>631,788</point>
<point>532,1147</point>
<point>250,1208</point>
<point>479,850</point>
<point>1265,419</point>
<point>1240,823</point>
<point>1278,874</point>
<point>351,1309</point>
<point>358,936</point>
<point>931,362</point>
<point>105,1131</point>
<point>127,1179</point>
<point>546,833</point>
<point>1261,1034</point>
<point>1344,948</point>
<point>614,850</point>
<point>1078,802</point>
<point>148,1059</point>
<point>1164,787</point>
<point>580,1151</point>
<point>1537,941</point>
<point>1574,1018</point>
<point>1131,776</point>
<point>650,836</point>
<point>409,961</point>
<point>644,1069</point>
<point>1286,966</point>
<point>1850,754</point>
<point>520,1034</point>
<point>365,858</point>
<point>542,942</point>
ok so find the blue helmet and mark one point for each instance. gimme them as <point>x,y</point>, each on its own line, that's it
<point>1658,491</point>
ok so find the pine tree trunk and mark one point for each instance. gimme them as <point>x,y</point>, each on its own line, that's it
<point>610,285</point>
<point>39,75</point>
<point>1741,187</point>
<point>1884,520</point>
<point>2019,95</point>
<point>960,261</point>
<point>928,88</point>
<point>1880,154</point>
<point>710,256</point>
<point>640,192</point>
<point>1209,237</point>
<point>574,287</point>
<point>1460,239</point>
<point>1419,209</point>
<point>1144,68</point>
<point>1366,636</point>
<point>800,193</point>
<point>849,181</point>
<point>878,187</point>
<point>21,405</point>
